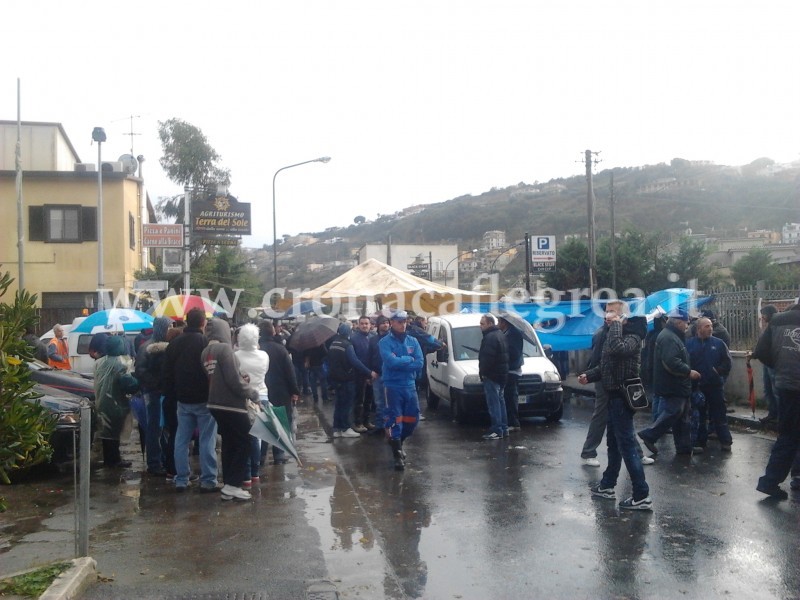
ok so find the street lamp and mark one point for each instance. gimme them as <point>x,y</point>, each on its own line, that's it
<point>474,250</point>
<point>322,159</point>
<point>99,136</point>
<point>507,250</point>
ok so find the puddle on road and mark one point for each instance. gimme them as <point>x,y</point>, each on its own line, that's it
<point>353,556</point>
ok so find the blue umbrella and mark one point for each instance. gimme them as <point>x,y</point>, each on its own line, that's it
<point>115,319</point>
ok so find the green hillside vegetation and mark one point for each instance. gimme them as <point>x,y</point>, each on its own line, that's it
<point>663,200</point>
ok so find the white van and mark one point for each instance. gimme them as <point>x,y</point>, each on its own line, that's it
<point>453,372</point>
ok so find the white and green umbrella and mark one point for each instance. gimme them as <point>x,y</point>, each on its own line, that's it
<point>269,428</point>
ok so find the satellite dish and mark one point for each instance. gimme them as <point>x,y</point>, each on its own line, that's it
<point>129,163</point>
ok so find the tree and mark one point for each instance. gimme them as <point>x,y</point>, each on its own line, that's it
<point>188,160</point>
<point>359,220</point>
<point>227,268</point>
<point>689,264</point>
<point>572,267</point>
<point>753,266</point>
<point>25,426</point>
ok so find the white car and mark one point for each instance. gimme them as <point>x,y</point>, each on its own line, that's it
<point>453,372</point>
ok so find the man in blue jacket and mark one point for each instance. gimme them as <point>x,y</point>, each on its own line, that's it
<point>376,364</point>
<point>402,360</point>
<point>709,356</point>
<point>343,368</point>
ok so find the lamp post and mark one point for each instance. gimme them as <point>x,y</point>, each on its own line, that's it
<point>494,262</point>
<point>473,251</point>
<point>322,159</point>
<point>99,136</point>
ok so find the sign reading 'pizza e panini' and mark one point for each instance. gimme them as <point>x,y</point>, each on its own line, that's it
<point>221,214</point>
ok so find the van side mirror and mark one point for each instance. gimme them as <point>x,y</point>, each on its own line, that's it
<point>548,351</point>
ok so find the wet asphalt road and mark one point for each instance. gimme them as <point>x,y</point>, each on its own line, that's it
<point>467,519</point>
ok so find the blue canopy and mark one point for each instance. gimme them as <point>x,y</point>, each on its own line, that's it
<point>569,325</point>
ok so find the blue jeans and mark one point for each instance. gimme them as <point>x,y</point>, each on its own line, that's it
<point>191,416</point>
<point>676,412</point>
<point>343,407</point>
<point>254,457</point>
<point>713,410</point>
<point>317,378</point>
<point>511,398</point>
<point>497,406</point>
<point>379,394</point>
<point>622,446</point>
<point>402,411</point>
<point>786,447</point>
<point>152,435</point>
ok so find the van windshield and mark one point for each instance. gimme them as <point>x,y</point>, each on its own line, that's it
<point>467,343</point>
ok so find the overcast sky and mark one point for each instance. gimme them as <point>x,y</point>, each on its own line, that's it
<point>415,102</point>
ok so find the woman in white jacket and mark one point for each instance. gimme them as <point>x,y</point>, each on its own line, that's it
<point>253,363</point>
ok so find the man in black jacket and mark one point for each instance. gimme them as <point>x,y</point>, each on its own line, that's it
<point>779,348</point>
<point>282,384</point>
<point>493,371</point>
<point>185,379</point>
<point>672,383</point>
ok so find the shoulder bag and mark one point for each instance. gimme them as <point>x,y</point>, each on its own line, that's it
<point>634,394</point>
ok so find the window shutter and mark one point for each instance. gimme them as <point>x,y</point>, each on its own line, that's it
<point>36,232</point>
<point>88,223</point>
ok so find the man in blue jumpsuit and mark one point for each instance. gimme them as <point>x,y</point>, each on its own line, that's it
<point>402,362</point>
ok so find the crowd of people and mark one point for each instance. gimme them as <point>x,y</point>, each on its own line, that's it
<point>196,382</point>
<point>683,368</point>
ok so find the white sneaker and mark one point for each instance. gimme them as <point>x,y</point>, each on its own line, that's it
<point>229,492</point>
<point>648,460</point>
<point>349,433</point>
<point>591,462</point>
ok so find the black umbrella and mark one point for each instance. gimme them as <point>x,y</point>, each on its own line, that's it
<point>313,332</point>
<point>525,328</point>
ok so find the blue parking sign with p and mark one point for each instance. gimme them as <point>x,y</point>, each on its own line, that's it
<point>543,243</point>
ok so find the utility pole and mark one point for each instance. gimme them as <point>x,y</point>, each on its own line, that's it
<point>528,263</point>
<point>613,239</point>
<point>590,210</point>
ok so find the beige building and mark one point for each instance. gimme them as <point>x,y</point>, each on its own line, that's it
<point>60,195</point>
<point>417,259</point>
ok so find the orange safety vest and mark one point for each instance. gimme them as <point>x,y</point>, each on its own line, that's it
<point>63,351</point>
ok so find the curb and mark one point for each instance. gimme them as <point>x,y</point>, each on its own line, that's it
<point>72,582</point>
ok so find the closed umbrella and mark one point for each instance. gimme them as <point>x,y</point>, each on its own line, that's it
<point>313,332</point>
<point>516,321</point>
<point>268,427</point>
<point>751,395</point>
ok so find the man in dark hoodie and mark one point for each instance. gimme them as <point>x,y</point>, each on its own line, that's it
<point>363,384</point>
<point>620,360</point>
<point>228,394</point>
<point>779,348</point>
<point>149,361</point>
<point>186,381</point>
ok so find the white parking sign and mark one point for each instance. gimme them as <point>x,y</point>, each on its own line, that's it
<point>543,253</point>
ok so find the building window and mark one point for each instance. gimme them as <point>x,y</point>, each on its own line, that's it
<point>132,231</point>
<point>62,223</point>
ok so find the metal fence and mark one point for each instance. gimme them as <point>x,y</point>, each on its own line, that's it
<point>737,309</point>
